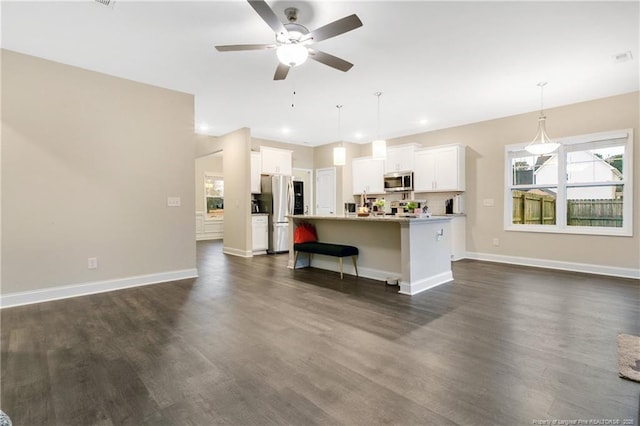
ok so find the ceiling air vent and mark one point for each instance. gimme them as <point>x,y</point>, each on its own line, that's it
<point>622,57</point>
<point>108,3</point>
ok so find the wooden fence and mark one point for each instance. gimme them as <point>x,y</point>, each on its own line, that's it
<point>606,213</point>
<point>532,208</point>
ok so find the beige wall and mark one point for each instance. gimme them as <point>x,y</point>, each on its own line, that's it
<point>236,166</point>
<point>88,161</point>
<point>485,143</point>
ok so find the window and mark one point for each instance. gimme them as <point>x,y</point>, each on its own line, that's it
<point>214,195</point>
<point>585,187</point>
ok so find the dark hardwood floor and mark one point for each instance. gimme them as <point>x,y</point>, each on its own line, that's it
<point>251,342</point>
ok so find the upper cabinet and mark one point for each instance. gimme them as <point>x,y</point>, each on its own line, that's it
<point>439,169</point>
<point>256,166</point>
<point>400,158</point>
<point>368,175</point>
<point>275,161</point>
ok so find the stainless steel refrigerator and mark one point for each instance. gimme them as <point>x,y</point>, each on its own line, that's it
<point>277,197</point>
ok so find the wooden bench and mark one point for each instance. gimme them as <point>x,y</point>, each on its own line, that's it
<point>327,249</point>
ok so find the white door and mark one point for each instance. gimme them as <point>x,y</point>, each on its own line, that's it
<point>326,191</point>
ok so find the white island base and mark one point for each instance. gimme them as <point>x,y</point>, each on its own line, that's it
<point>416,251</point>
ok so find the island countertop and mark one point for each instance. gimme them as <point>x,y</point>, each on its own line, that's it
<point>374,218</point>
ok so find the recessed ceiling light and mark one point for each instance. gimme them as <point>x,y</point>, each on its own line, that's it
<point>203,128</point>
<point>358,135</point>
<point>423,121</point>
<point>286,130</point>
<point>623,57</point>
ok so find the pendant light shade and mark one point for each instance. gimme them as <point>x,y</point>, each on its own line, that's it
<point>339,156</point>
<point>542,143</point>
<point>379,146</point>
<point>339,152</point>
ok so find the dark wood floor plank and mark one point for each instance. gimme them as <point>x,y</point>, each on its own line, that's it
<point>251,342</point>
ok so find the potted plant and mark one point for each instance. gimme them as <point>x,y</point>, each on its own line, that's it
<point>411,206</point>
<point>379,205</point>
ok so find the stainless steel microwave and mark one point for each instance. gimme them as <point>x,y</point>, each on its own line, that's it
<point>398,181</point>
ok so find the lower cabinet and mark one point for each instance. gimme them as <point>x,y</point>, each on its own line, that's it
<point>208,229</point>
<point>260,231</point>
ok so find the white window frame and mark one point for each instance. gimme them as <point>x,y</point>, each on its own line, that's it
<point>561,201</point>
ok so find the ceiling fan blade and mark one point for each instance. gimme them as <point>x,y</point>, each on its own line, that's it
<point>333,29</point>
<point>268,15</point>
<point>238,47</point>
<point>281,71</point>
<point>332,61</point>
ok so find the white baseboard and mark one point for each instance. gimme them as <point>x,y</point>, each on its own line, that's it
<point>556,264</point>
<point>237,252</point>
<point>67,291</point>
<point>425,284</point>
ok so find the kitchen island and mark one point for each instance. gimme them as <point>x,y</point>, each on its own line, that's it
<point>414,250</point>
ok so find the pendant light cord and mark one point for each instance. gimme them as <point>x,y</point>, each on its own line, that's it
<point>339,123</point>
<point>378,94</point>
<point>541,85</point>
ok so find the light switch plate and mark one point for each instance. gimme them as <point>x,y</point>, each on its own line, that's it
<point>488,202</point>
<point>173,201</point>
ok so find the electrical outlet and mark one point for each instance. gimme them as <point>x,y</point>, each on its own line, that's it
<point>496,242</point>
<point>92,263</point>
<point>173,201</point>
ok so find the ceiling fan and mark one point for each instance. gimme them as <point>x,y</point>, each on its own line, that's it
<point>293,39</point>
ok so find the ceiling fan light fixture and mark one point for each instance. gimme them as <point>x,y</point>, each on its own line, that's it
<point>292,54</point>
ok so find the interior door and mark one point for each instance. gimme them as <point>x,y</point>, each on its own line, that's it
<point>326,191</point>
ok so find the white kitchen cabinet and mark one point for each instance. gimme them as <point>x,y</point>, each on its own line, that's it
<point>260,232</point>
<point>439,169</point>
<point>256,166</point>
<point>368,175</point>
<point>275,161</point>
<point>400,158</point>
<point>208,228</point>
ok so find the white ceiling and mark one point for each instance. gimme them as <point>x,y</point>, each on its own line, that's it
<point>438,64</point>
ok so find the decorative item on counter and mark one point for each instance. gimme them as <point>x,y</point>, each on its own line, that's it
<point>411,207</point>
<point>363,211</point>
<point>379,206</point>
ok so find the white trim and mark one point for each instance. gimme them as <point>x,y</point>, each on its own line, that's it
<point>83,289</point>
<point>425,284</point>
<point>556,264</point>
<point>237,252</point>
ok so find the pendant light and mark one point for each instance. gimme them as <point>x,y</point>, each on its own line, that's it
<point>379,146</point>
<point>339,152</point>
<point>542,144</point>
